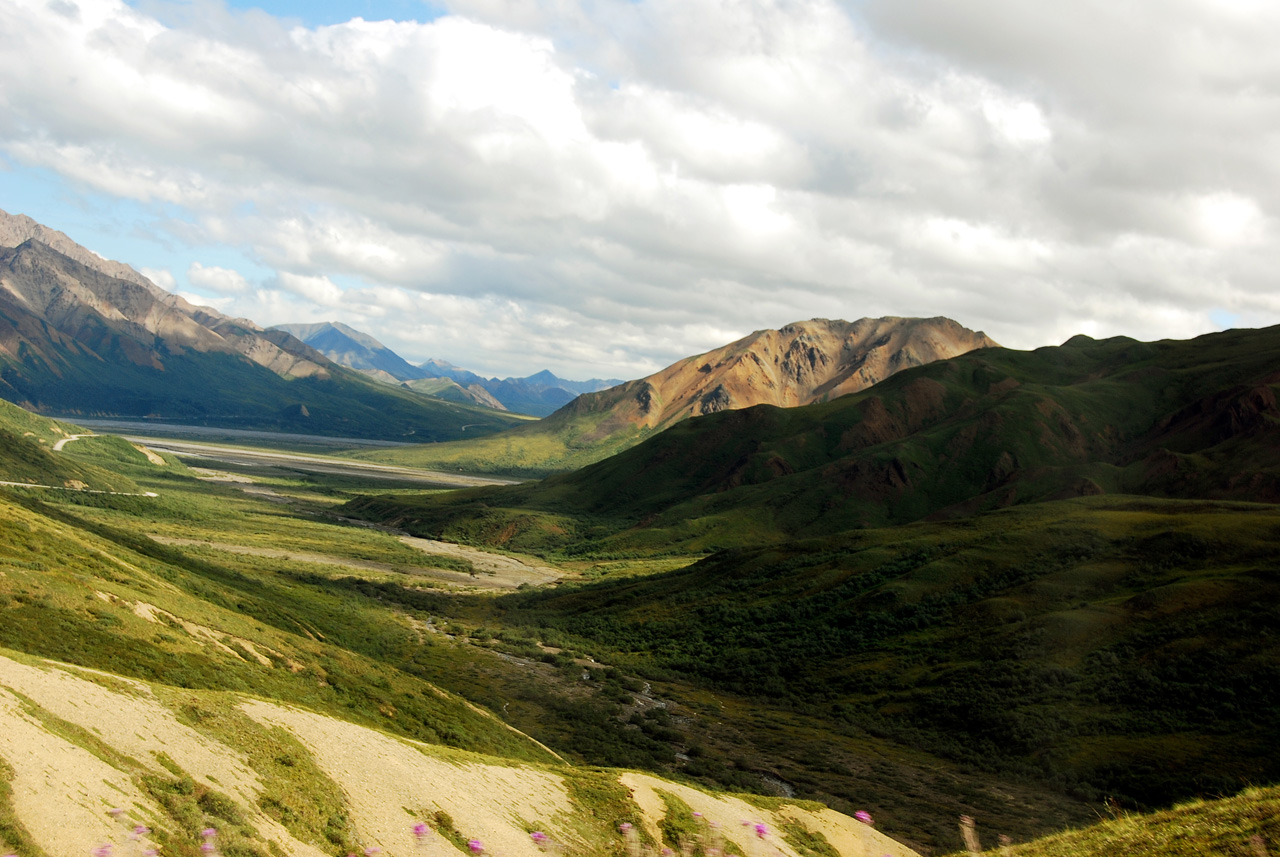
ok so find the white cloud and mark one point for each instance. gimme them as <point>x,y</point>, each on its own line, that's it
<point>224,281</point>
<point>574,180</point>
<point>162,277</point>
<point>319,290</point>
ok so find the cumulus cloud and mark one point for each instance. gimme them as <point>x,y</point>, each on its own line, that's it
<point>223,281</point>
<point>582,183</point>
<point>162,277</point>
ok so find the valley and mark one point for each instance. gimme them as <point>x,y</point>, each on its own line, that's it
<point>883,566</point>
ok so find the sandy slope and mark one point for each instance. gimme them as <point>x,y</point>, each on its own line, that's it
<point>736,818</point>
<point>77,742</point>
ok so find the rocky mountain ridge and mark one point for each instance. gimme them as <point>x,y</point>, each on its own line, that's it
<point>799,364</point>
<point>83,335</point>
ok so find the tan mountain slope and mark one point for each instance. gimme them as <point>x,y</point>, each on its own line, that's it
<point>77,747</point>
<point>18,228</point>
<point>802,363</point>
<point>94,300</point>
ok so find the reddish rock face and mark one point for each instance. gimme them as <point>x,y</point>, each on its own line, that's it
<point>802,363</point>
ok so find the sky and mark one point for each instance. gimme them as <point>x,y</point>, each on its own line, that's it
<point>601,187</point>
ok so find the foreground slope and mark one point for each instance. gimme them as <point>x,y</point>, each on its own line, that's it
<point>1194,418</point>
<point>81,335</point>
<point>269,698</point>
<point>278,779</point>
<point>1244,824</point>
<point>802,363</point>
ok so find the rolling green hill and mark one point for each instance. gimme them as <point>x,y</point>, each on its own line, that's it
<point>985,430</point>
<point>1113,646</point>
<point>26,454</point>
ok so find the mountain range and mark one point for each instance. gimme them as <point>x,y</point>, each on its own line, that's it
<point>537,395</point>
<point>83,335</point>
<point>1055,567</point>
<point>799,364</point>
<point>985,430</point>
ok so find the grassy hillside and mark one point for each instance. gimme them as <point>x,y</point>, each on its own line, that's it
<point>566,440</point>
<point>1247,824</point>
<point>229,390</point>
<point>989,429</point>
<point>27,455</point>
<point>1118,648</point>
<point>84,583</point>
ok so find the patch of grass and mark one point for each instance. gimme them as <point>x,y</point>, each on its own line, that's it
<point>601,805</point>
<point>295,791</point>
<point>13,835</point>
<point>808,843</point>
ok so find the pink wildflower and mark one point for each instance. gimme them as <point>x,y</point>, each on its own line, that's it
<point>761,830</point>
<point>476,846</point>
<point>538,836</point>
<point>420,830</point>
<point>102,851</point>
<point>209,832</point>
<point>863,816</point>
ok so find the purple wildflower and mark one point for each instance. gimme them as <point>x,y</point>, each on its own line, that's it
<point>209,848</point>
<point>476,846</point>
<point>863,816</point>
<point>761,830</point>
<point>209,832</point>
<point>420,830</point>
<point>539,837</point>
<point>102,851</point>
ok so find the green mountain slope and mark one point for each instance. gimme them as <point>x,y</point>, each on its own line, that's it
<point>985,430</point>
<point>27,455</point>
<point>101,596</point>
<point>1115,647</point>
